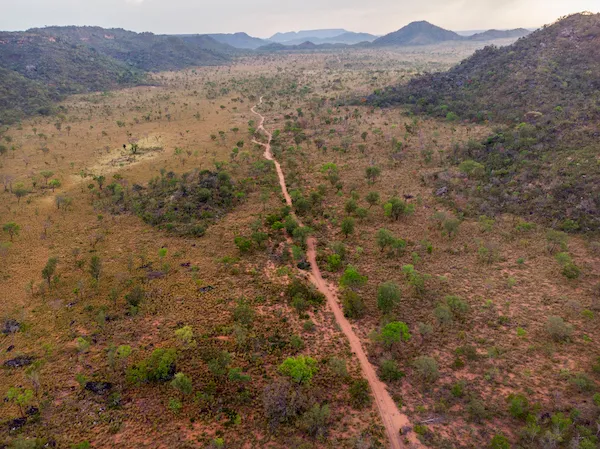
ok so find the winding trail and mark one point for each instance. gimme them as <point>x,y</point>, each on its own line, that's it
<point>392,419</point>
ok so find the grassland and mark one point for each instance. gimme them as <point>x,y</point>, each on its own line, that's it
<point>502,333</point>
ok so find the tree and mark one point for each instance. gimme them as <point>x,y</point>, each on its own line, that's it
<point>352,278</point>
<point>54,184</point>
<point>20,397</point>
<point>49,270</point>
<point>372,173</point>
<point>394,332</point>
<point>396,208</point>
<point>348,226</point>
<point>384,239</point>
<point>426,368</point>
<point>183,384</point>
<point>388,295</point>
<point>12,229</point>
<point>95,267</point>
<point>372,198</point>
<point>316,420</point>
<point>300,369</point>
<point>47,175</point>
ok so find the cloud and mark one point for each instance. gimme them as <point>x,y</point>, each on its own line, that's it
<point>134,2</point>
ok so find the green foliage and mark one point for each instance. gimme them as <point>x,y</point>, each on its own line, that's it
<point>12,229</point>
<point>95,267</point>
<point>308,292</point>
<point>352,304</point>
<point>426,369</point>
<point>244,244</point>
<point>135,297</point>
<point>389,371</point>
<point>372,199</point>
<point>185,335</point>
<point>360,394</point>
<point>352,278</point>
<point>415,278</point>
<point>499,441</point>
<point>394,332</point>
<point>21,397</point>
<point>49,269</point>
<point>395,208</point>
<point>300,369</point>
<point>388,296</point>
<point>159,367</point>
<point>518,406</point>
<point>316,420</point>
<point>183,384</point>
<point>219,365</point>
<point>347,226</point>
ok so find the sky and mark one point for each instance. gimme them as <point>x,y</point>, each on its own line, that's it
<point>263,18</point>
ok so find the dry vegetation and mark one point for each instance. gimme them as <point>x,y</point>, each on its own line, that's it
<point>500,314</point>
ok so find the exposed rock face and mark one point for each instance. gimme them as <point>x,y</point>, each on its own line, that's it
<point>19,362</point>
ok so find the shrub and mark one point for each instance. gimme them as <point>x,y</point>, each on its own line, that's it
<point>316,420</point>
<point>300,369</point>
<point>388,296</point>
<point>394,332</point>
<point>360,394</point>
<point>219,365</point>
<point>334,262</point>
<point>159,367</point>
<point>183,384</point>
<point>558,329</point>
<point>338,367</point>
<point>389,371</point>
<point>243,244</point>
<point>459,308</point>
<point>395,208</point>
<point>477,411</point>
<point>472,168</point>
<point>518,406</point>
<point>352,278</point>
<point>281,402</point>
<point>443,315</point>
<point>426,369</point>
<point>414,278</point>
<point>582,383</point>
<point>136,296</point>
<point>499,442</point>
<point>347,226</point>
<point>384,239</point>
<point>353,305</point>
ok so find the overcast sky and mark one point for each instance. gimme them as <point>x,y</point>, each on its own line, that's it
<point>263,18</point>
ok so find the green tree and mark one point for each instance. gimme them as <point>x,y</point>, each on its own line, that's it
<point>394,332</point>
<point>372,173</point>
<point>352,278</point>
<point>21,397</point>
<point>395,208</point>
<point>183,384</point>
<point>49,270</point>
<point>372,198</point>
<point>54,184</point>
<point>95,267</point>
<point>384,239</point>
<point>388,296</point>
<point>301,368</point>
<point>12,229</point>
<point>347,226</point>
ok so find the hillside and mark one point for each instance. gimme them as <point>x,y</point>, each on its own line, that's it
<point>239,40</point>
<point>547,83</point>
<point>41,66</point>
<point>144,51</point>
<point>417,33</point>
<point>499,34</point>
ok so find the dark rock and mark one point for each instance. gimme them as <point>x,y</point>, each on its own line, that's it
<point>11,327</point>
<point>304,265</point>
<point>10,348</point>
<point>155,275</point>
<point>405,430</point>
<point>441,191</point>
<point>206,289</point>
<point>19,362</point>
<point>16,424</point>
<point>31,410</point>
<point>98,387</point>
<point>186,264</point>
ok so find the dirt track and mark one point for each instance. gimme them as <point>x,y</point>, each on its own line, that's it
<point>392,419</point>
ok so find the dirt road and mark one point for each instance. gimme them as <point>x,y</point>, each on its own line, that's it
<point>392,419</point>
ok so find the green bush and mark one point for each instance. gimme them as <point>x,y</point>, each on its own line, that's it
<point>388,296</point>
<point>352,304</point>
<point>159,367</point>
<point>518,406</point>
<point>394,332</point>
<point>352,278</point>
<point>300,369</point>
<point>389,371</point>
<point>558,329</point>
<point>360,394</point>
<point>499,442</point>
<point>426,369</point>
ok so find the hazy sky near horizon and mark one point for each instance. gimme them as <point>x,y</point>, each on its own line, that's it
<point>263,18</point>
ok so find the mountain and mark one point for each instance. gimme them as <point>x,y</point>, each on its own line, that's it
<point>41,66</point>
<point>206,42</point>
<point>304,35</point>
<point>239,40</point>
<point>548,84</point>
<point>499,34</point>
<point>145,51</point>
<point>417,33</point>
<point>303,46</point>
<point>345,38</point>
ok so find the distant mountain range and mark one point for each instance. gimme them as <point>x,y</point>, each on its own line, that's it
<point>415,33</point>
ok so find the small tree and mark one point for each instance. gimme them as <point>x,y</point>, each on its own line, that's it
<point>384,239</point>
<point>95,267</point>
<point>301,369</point>
<point>352,278</point>
<point>393,333</point>
<point>49,270</point>
<point>347,226</point>
<point>20,397</point>
<point>12,229</point>
<point>372,198</point>
<point>183,384</point>
<point>388,295</point>
<point>396,208</point>
<point>54,184</point>
<point>426,368</point>
<point>372,173</point>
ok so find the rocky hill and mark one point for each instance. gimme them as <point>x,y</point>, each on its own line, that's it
<point>417,33</point>
<point>239,40</point>
<point>545,88</point>
<point>499,34</point>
